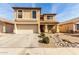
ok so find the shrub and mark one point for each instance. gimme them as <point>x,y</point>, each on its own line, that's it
<point>40,41</point>
<point>45,40</point>
<point>41,35</point>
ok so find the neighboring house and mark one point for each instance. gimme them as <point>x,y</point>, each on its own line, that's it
<point>69,26</point>
<point>6,26</point>
<point>30,20</point>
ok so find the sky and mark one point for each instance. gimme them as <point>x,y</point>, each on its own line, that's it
<point>64,11</point>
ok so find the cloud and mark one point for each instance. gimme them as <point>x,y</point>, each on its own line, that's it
<point>55,7</point>
<point>72,11</point>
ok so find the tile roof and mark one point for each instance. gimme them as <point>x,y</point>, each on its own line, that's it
<point>26,8</point>
<point>49,14</point>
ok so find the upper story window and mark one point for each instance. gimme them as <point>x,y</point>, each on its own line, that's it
<point>19,13</point>
<point>77,26</point>
<point>49,17</point>
<point>34,14</point>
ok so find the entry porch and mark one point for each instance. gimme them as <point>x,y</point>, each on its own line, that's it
<point>46,28</point>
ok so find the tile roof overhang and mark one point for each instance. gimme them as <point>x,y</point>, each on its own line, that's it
<point>26,8</point>
<point>50,14</point>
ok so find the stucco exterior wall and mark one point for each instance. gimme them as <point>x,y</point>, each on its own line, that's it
<point>27,14</point>
<point>66,27</point>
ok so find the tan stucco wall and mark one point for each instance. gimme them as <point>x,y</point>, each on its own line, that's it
<point>21,28</point>
<point>66,27</point>
<point>27,14</point>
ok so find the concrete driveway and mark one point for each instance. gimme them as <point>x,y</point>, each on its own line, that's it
<point>26,44</point>
<point>18,40</point>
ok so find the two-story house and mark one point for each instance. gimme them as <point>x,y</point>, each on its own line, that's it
<point>30,20</point>
<point>27,20</point>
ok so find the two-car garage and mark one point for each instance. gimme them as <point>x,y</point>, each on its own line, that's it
<point>18,27</point>
<point>27,28</point>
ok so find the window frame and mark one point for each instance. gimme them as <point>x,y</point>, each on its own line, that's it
<point>34,17</point>
<point>48,17</point>
<point>77,26</point>
<point>18,14</point>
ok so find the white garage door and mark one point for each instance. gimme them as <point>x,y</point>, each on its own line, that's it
<point>24,29</point>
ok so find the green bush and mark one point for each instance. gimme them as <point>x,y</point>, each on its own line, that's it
<point>45,40</point>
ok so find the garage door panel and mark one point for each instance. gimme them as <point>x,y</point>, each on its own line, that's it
<point>22,29</point>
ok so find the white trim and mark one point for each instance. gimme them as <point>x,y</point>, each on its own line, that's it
<point>74,27</point>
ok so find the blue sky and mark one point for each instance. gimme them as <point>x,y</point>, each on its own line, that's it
<point>64,11</point>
